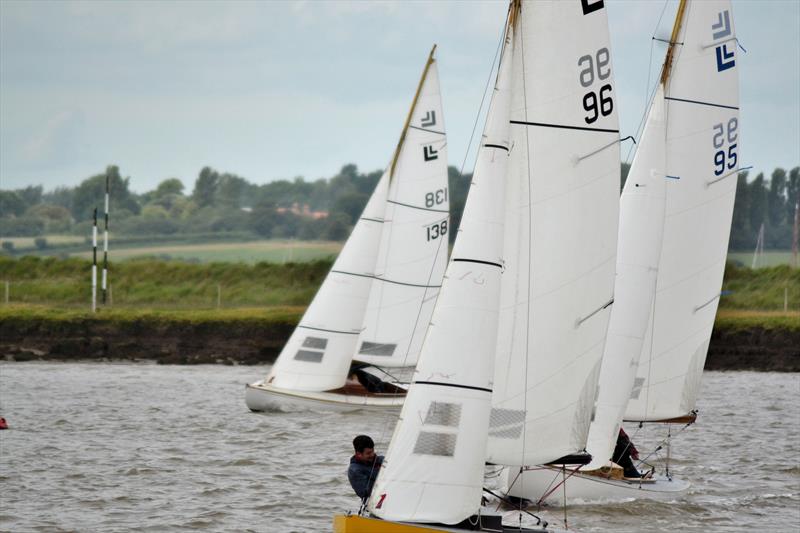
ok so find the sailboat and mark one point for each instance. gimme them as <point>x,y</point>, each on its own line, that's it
<point>675,219</point>
<point>530,278</point>
<point>373,307</point>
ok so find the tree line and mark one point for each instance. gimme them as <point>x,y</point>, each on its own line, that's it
<point>222,202</point>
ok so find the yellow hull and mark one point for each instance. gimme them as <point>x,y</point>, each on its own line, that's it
<point>361,524</point>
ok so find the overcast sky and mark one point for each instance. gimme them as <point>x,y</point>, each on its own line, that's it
<point>274,90</point>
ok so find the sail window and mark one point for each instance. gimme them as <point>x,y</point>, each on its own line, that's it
<point>506,417</point>
<point>316,343</point>
<point>308,356</point>
<point>637,388</point>
<point>377,348</point>
<point>431,443</point>
<point>443,414</point>
<point>511,433</point>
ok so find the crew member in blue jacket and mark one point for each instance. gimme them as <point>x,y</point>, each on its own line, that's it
<point>364,466</point>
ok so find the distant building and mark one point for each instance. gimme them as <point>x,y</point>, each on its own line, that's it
<point>303,211</point>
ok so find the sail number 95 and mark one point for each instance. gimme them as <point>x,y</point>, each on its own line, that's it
<point>723,159</point>
<point>437,230</point>
<point>437,197</point>
<point>596,67</point>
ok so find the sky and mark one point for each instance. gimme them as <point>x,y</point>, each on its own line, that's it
<point>275,89</point>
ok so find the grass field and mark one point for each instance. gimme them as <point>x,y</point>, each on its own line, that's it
<point>25,243</point>
<point>234,252</point>
<point>770,258</point>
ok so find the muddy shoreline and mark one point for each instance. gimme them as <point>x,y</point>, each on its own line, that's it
<point>257,342</point>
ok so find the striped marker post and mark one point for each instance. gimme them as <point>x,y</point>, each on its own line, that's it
<point>94,261</point>
<point>105,247</point>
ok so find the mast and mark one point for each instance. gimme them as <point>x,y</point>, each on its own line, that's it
<point>676,29</point>
<point>411,112</point>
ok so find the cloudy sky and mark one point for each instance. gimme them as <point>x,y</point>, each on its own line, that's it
<point>274,90</point>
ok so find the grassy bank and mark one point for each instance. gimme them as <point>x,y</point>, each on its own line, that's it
<point>154,284</point>
<point>47,288</point>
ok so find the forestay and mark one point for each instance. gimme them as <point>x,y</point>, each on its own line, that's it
<point>319,352</point>
<point>641,224</point>
<point>413,249</point>
<point>433,470</point>
<point>562,207</point>
<point>702,158</point>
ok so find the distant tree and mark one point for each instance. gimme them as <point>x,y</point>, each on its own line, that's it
<point>741,232</point>
<point>337,228</point>
<point>205,188</point>
<point>62,196</point>
<point>8,246</point>
<point>263,218</point>
<point>40,242</point>
<point>758,202</point>
<point>170,186</point>
<point>31,195</point>
<point>57,219</point>
<point>11,204</point>
<point>231,191</point>
<point>792,194</point>
<point>351,204</point>
<point>776,199</point>
<point>91,193</point>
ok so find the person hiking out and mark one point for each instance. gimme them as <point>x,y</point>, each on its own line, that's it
<point>364,466</point>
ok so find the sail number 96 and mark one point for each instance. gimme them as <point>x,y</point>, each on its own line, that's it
<point>723,159</point>
<point>596,67</point>
<point>437,230</point>
<point>437,197</point>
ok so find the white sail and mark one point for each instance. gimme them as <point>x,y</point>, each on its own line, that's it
<point>433,470</point>
<point>562,206</point>
<point>413,250</point>
<point>641,223</point>
<point>702,158</point>
<point>318,354</point>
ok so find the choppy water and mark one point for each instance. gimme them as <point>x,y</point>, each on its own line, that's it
<point>114,447</point>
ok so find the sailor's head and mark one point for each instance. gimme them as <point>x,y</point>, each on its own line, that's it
<point>364,448</point>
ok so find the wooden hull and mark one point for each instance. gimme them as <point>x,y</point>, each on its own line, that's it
<point>362,524</point>
<point>260,396</point>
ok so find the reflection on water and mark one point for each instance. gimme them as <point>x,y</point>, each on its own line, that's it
<point>102,446</point>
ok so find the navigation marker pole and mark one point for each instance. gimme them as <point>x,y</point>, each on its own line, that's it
<point>94,261</point>
<point>105,247</point>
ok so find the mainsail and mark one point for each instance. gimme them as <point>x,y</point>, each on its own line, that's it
<point>562,210</point>
<point>413,251</point>
<point>377,299</point>
<point>702,161</point>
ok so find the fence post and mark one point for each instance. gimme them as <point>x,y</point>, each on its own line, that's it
<point>7,292</point>
<point>785,299</point>
<point>219,295</point>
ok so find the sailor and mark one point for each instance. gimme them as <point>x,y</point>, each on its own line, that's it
<point>369,381</point>
<point>623,452</point>
<point>364,466</point>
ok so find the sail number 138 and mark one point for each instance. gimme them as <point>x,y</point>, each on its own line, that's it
<point>437,230</point>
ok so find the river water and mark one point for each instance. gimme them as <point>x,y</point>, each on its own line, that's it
<point>118,446</point>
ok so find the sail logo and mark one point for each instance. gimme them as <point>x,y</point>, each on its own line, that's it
<point>429,119</point>
<point>722,29</point>
<point>430,153</point>
<point>590,6</point>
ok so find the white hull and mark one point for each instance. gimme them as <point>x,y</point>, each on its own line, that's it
<point>582,488</point>
<point>260,396</point>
